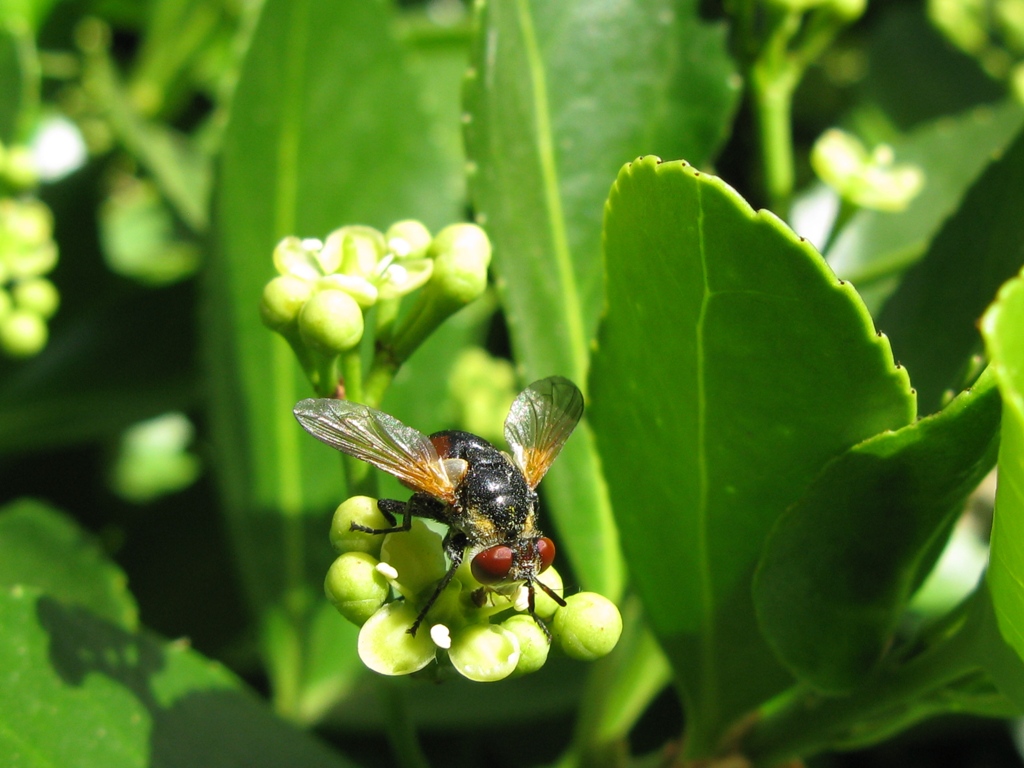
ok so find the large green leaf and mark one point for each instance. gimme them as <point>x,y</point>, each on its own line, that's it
<point>932,317</point>
<point>44,549</point>
<point>841,564</point>
<point>1003,329</point>
<point>325,130</point>
<point>80,691</point>
<point>952,152</point>
<point>731,367</point>
<point>559,94</point>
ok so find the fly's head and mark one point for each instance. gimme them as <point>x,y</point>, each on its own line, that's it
<point>505,566</point>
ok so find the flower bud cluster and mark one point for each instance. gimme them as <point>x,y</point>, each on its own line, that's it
<point>869,180</point>
<point>323,288</point>
<point>381,583</point>
<point>27,253</point>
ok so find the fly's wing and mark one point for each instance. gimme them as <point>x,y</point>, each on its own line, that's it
<point>378,439</point>
<point>539,422</point>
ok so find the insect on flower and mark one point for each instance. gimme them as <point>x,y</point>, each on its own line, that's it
<point>485,497</point>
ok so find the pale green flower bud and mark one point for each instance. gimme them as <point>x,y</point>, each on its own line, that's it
<point>461,255</point>
<point>418,557</point>
<point>32,261</point>
<point>19,168</point>
<point>282,300</point>
<point>26,245</point>
<point>359,288</point>
<point>402,277</point>
<point>331,322</point>
<point>533,643</point>
<point>544,605</point>
<point>22,333</point>
<point>355,587</point>
<point>361,510</point>
<point>588,627</point>
<point>408,239</point>
<point>484,652</point>
<point>386,647</point>
<point>299,258</point>
<point>359,248</point>
<point>37,295</point>
<point>848,10</point>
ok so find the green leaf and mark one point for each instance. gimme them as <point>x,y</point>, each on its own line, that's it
<point>932,318</point>
<point>841,564</point>
<point>81,691</point>
<point>914,74</point>
<point>731,367</point>
<point>325,130</point>
<point>558,96</point>
<point>1003,329</point>
<point>952,152</point>
<point>43,548</point>
<point>991,651</point>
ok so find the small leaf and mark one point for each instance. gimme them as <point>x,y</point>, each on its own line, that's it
<point>1003,329</point>
<point>841,564</point>
<point>81,691</point>
<point>45,549</point>
<point>731,367</point>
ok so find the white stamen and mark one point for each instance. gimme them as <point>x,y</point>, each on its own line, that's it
<point>441,636</point>
<point>388,571</point>
<point>400,247</point>
<point>522,598</point>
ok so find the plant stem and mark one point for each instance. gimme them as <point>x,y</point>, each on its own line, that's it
<point>800,722</point>
<point>773,82</point>
<point>618,690</point>
<point>400,728</point>
<point>794,42</point>
<point>359,480</point>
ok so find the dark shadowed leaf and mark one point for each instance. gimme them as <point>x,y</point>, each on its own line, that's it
<point>841,564</point>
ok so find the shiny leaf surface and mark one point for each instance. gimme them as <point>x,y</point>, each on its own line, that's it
<point>731,367</point>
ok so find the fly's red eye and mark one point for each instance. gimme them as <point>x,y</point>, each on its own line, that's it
<point>546,552</point>
<point>492,565</point>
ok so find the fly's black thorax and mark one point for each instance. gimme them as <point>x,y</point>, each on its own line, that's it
<point>497,505</point>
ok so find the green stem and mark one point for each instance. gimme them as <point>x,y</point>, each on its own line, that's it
<point>400,728</point>
<point>387,313</point>
<point>800,723</point>
<point>359,478</point>
<point>619,689</point>
<point>423,319</point>
<point>773,102</point>
<point>795,41</point>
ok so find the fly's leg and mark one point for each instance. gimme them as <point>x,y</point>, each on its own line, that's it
<point>455,546</point>
<point>389,508</point>
<point>530,605</point>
